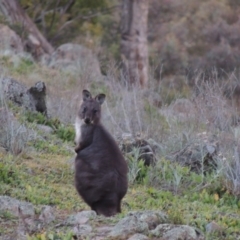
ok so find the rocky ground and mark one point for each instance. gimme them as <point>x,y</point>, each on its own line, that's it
<point>87,225</point>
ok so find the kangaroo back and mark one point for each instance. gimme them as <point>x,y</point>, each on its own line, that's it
<point>100,168</point>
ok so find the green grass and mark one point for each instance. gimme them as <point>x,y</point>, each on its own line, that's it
<point>64,132</point>
<point>43,175</point>
<point>41,179</point>
<point>47,179</point>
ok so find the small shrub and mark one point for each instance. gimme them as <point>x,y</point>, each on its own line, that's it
<point>52,236</point>
<point>168,175</point>
<point>137,170</point>
<point>8,174</point>
<point>175,216</point>
<point>48,147</point>
<point>66,133</point>
<point>14,136</point>
<point>40,118</point>
<point>231,171</point>
<point>24,66</point>
<point>7,215</point>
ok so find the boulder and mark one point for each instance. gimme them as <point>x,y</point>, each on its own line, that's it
<point>33,99</point>
<point>12,47</point>
<point>176,232</point>
<point>152,218</point>
<point>75,58</point>
<point>138,236</point>
<point>138,222</point>
<point>10,41</point>
<point>128,226</point>
<point>82,230</point>
<point>47,214</point>
<point>81,217</point>
<point>45,129</point>
<point>12,205</point>
<point>200,156</point>
<point>213,227</point>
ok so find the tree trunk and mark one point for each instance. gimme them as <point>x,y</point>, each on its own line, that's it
<point>134,49</point>
<point>14,13</point>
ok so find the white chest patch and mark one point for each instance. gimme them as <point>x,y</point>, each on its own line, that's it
<point>78,133</point>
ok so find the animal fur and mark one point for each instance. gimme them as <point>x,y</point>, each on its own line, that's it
<point>100,168</point>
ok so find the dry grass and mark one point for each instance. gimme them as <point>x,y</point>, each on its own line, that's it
<point>206,115</point>
<point>173,126</point>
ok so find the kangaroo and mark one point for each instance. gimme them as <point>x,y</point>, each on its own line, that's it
<point>100,168</point>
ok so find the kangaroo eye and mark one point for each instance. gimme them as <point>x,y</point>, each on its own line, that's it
<point>95,111</point>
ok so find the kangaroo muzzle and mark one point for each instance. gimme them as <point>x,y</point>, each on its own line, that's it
<point>87,120</point>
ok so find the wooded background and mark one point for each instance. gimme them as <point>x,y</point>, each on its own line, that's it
<point>175,38</point>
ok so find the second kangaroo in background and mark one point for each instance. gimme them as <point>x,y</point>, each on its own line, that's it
<point>100,168</point>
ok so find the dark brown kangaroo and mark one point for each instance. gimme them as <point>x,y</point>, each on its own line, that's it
<point>100,168</point>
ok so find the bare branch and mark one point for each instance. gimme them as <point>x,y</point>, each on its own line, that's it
<point>86,17</point>
<point>68,6</point>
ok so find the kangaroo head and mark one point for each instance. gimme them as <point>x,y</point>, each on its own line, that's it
<point>90,110</point>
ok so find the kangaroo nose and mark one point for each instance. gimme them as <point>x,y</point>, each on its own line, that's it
<point>87,120</point>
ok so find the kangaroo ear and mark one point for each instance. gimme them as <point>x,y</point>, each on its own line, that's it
<point>100,98</point>
<point>86,95</point>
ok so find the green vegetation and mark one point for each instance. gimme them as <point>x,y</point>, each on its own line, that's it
<point>64,132</point>
<point>35,165</point>
<point>47,179</point>
<point>81,19</point>
<point>42,174</point>
<point>52,236</point>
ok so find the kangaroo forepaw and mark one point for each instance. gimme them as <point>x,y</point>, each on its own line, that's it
<point>77,149</point>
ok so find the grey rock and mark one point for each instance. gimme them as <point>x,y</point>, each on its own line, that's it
<point>138,236</point>
<point>127,226</point>
<point>33,99</point>
<point>75,58</point>
<point>176,232</point>
<point>38,97</point>
<point>213,227</point>
<point>9,40</point>
<point>201,155</point>
<point>99,238</point>
<point>211,149</point>
<point>128,143</point>
<point>152,218</point>
<point>11,237</point>
<point>28,226</point>
<point>81,217</point>
<point>47,214</point>
<point>104,230</point>
<point>45,129</point>
<point>12,47</point>
<point>16,92</point>
<point>11,205</point>
<point>82,230</point>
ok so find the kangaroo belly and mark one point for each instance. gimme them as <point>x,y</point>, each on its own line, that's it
<point>93,183</point>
